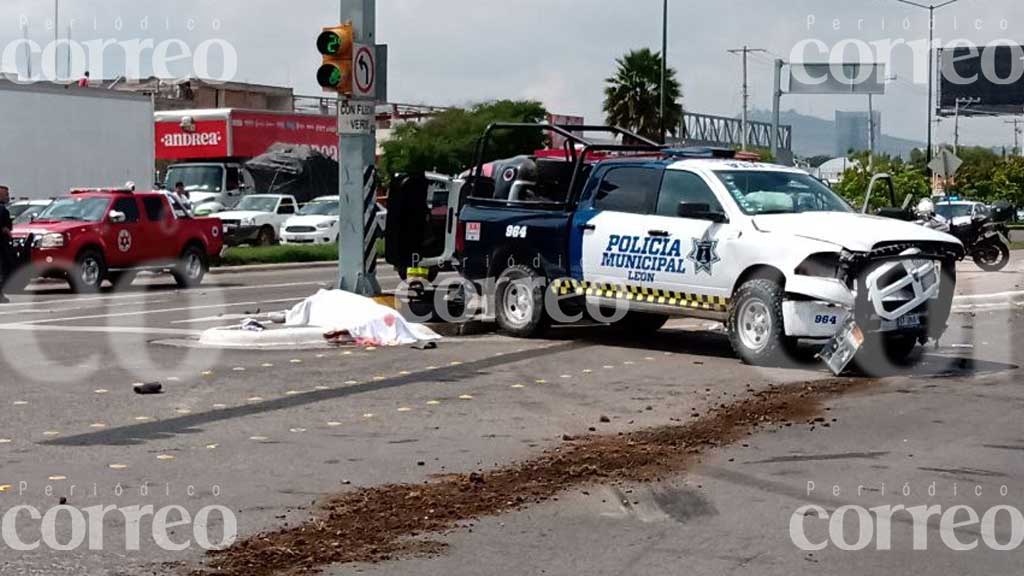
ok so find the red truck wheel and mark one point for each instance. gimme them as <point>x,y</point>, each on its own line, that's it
<point>191,268</point>
<point>89,271</point>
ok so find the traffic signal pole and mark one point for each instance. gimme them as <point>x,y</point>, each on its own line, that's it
<point>357,152</point>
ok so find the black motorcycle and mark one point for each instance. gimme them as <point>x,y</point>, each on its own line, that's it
<point>986,240</point>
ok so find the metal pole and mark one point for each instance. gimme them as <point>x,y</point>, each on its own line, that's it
<point>956,128</point>
<point>871,134</point>
<point>355,153</point>
<point>664,67</point>
<point>746,92</point>
<point>931,78</point>
<point>56,38</point>
<point>776,108</point>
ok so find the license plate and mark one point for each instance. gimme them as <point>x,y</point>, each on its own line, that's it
<point>909,321</point>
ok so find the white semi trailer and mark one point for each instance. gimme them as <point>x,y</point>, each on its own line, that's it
<point>55,138</point>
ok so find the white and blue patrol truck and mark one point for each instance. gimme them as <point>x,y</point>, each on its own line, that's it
<point>768,250</point>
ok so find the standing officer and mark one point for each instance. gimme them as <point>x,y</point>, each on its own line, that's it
<point>6,263</point>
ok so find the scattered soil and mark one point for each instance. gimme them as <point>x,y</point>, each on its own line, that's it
<point>380,523</point>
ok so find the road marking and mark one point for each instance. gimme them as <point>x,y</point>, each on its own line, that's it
<point>150,312</point>
<point>141,330</point>
<point>122,297</point>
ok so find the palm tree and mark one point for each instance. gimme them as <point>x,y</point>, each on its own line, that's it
<point>632,98</point>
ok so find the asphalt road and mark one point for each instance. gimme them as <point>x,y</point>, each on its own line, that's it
<point>267,433</point>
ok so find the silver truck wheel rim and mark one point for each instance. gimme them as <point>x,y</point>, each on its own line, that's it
<point>193,266</point>
<point>518,303</point>
<point>755,325</point>
<point>90,272</point>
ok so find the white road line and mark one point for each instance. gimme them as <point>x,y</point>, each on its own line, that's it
<point>150,312</point>
<point>101,329</point>
<point>122,297</point>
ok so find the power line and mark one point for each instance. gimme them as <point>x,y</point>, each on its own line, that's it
<point>745,51</point>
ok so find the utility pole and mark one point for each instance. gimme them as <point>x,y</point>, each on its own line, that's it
<point>664,67</point>
<point>356,153</point>
<point>931,8</point>
<point>1016,122</point>
<point>965,102</point>
<point>776,105</point>
<point>744,137</point>
<point>56,39</point>
<point>871,134</point>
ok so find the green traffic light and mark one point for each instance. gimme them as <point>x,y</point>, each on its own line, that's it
<point>329,43</point>
<point>329,76</point>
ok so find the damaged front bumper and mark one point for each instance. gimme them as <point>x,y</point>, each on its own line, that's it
<point>896,289</point>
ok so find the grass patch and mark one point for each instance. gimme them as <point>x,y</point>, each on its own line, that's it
<point>1016,245</point>
<point>285,254</point>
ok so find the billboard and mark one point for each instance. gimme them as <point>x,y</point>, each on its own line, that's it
<point>838,78</point>
<point>991,77</point>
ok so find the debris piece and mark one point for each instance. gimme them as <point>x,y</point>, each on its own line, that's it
<point>149,388</point>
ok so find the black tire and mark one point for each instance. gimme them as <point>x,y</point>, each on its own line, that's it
<point>519,302</point>
<point>88,272</point>
<point>642,323</point>
<point>265,237</point>
<point>983,260</point>
<point>883,353</point>
<point>191,267</point>
<point>756,329</point>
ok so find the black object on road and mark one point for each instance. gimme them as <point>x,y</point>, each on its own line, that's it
<point>149,388</point>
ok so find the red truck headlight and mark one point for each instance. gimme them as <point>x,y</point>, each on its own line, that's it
<point>50,241</point>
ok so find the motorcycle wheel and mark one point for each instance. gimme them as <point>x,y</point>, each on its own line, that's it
<point>992,258</point>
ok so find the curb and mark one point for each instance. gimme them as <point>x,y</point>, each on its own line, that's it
<point>983,299</point>
<point>272,267</point>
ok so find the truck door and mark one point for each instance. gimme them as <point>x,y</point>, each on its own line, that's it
<point>697,234</point>
<point>612,230</point>
<point>124,240</point>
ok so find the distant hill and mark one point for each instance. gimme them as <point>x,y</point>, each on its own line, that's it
<point>813,136</point>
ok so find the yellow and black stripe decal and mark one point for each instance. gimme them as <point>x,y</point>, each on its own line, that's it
<point>570,287</point>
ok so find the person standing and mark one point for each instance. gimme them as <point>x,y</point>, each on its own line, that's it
<point>6,263</point>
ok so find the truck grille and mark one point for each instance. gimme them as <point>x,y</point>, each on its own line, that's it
<point>234,223</point>
<point>300,229</point>
<point>898,287</point>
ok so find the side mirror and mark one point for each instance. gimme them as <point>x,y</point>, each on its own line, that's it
<point>117,217</point>
<point>700,211</point>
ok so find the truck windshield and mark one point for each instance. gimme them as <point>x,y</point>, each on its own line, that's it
<point>78,209</point>
<point>197,178</point>
<point>258,204</point>
<point>770,192</point>
<point>321,208</point>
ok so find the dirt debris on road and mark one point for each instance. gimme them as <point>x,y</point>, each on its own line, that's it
<point>381,523</point>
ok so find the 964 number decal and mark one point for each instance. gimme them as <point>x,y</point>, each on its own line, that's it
<point>515,232</point>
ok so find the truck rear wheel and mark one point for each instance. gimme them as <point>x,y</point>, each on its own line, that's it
<point>191,268</point>
<point>519,299</point>
<point>88,272</point>
<point>756,329</point>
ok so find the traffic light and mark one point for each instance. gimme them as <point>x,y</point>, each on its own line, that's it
<point>335,43</point>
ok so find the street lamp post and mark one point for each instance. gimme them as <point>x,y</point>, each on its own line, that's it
<point>664,66</point>
<point>931,60</point>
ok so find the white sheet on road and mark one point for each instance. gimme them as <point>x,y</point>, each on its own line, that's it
<point>364,319</point>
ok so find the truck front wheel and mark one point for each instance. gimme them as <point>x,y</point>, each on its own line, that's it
<point>756,329</point>
<point>191,268</point>
<point>265,237</point>
<point>519,302</point>
<point>88,272</point>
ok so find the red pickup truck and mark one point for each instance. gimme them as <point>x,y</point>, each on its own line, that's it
<point>95,235</point>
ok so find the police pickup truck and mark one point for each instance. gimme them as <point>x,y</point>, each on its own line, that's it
<point>653,232</point>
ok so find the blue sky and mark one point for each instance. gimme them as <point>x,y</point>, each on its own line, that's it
<point>559,51</point>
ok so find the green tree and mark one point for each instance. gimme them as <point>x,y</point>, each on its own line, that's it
<point>447,142</point>
<point>907,179</point>
<point>632,97</point>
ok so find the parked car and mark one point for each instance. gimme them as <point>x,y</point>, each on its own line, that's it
<point>961,212</point>
<point>316,223</point>
<point>23,211</point>
<point>257,220</point>
<point>95,235</point>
